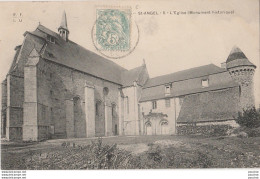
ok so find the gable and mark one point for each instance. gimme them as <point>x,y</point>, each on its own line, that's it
<point>74,56</point>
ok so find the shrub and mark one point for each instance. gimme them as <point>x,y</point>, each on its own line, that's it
<point>249,118</point>
<point>97,155</point>
<point>255,132</point>
<point>155,153</point>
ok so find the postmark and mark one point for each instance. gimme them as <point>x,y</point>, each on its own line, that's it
<point>114,34</point>
<point>113,29</point>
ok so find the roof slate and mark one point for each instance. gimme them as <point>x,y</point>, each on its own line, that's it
<point>128,77</point>
<point>183,92</point>
<point>74,56</point>
<point>185,74</point>
<point>237,58</point>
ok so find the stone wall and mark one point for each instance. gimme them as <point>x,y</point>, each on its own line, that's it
<point>14,110</point>
<point>4,106</point>
<point>15,87</point>
<point>244,76</point>
<point>171,113</point>
<point>59,84</point>
<point>30,115</point>
<point>130,126</point>
<point>206,129</point>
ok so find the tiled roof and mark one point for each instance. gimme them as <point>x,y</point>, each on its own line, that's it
<point>74,56</point>
<point>185,74</point>
<point>239,62</point>
<point>128,77</point>
<point>208,107</point>
<point>237,58</point>
<point>183,92</point>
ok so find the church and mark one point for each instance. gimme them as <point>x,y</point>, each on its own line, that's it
<point>57,89</point>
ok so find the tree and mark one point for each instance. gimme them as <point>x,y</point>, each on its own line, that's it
<point>249,118</point>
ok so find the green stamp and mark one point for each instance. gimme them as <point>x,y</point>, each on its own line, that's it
<point>113,29</point>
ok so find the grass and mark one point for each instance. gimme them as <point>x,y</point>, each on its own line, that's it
<point>144,152</point>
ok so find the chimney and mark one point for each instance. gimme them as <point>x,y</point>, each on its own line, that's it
<point>224,65</point>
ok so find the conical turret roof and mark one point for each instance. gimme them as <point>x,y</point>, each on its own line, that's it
<point>63,23</point>
<point>237,58</point>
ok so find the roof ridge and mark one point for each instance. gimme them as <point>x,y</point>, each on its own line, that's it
<point>140,71</point>
<point>186,70</point>
<point>70,41</point>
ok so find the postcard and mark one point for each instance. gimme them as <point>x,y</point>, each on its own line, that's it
<point>104,85</point>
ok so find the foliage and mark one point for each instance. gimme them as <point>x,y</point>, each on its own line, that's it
<point>94,156</point>
<point>230,152</point>
<point>249,118</point>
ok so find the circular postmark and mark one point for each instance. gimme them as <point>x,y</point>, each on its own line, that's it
<point>113,34</point>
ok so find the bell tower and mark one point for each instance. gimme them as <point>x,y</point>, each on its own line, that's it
<point>242,71</point>
<point>63,29</point>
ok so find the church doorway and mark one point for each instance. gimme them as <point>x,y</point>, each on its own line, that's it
<point>148,127</point>
<point>164,127</point>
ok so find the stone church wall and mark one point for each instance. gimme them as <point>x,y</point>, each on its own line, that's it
<point>56,85</point>
<point>14,110</point>
<point>170,112</point>
<point>130,111</point>
<point>4,106</point>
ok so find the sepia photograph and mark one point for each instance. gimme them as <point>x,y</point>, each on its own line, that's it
<point>105,85</point>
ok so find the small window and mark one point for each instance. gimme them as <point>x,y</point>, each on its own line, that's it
<point>51,93</point>
<point>44,113</point>
<point>154,103</point>
<point>167,89</point>
<point>205,82</point>
<point>105,91</point>
<point>51,39</point>
<point>113,110</point>
<point>167,103</point>
<point>98,106</point>
<point>239,91</point>
<point>127,104</point>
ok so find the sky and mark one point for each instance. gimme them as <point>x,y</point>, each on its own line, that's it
<point>168,43</point>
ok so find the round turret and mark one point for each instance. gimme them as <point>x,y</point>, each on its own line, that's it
<point>242,71</point>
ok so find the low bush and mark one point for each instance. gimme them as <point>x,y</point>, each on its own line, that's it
<point>94,156</point>
<point>249,118</point>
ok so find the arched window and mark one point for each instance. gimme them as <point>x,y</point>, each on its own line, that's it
<point>239,89</point>
<point>164,123</point>
<point>113,110</point>
<point>127,104</point>
<point>98,108</point>
<point>105,91</point>
<point>164,127</point>
<point>148,128</point>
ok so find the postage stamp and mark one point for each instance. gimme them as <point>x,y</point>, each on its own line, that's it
<point>114,34</point>
<point>113,29</point>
